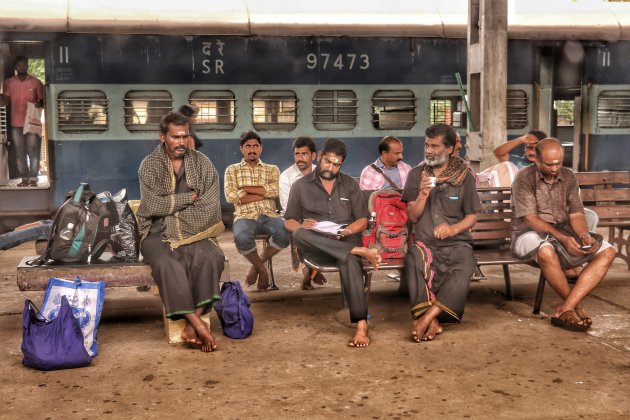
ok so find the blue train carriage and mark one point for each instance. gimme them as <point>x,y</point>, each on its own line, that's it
<point>107,94</point>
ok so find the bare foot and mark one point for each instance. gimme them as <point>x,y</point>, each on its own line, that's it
<point>263,281</point>
<point>319,279</point>
<point>190,336</point>
<point>419,328</point>
<point>432,330</point>
<point>361,337</point>
<point>252,276</point>
<point>208,342</point>
<point>306,280</point>
<point>369,254</point>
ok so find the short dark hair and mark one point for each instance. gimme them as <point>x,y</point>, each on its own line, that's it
<point>248,135</point>
<point>383,145</point>
<point>335,146</point>
<point>188,110</point>
<point>305,141</point>
<point>538,134</point>
<point>442,130</point>
<point>175,118</point>
<point>19,59</point>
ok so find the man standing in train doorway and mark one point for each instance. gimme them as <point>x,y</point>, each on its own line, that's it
<point>252,186</point>
<point>23,89</point>
<point>179,220</point>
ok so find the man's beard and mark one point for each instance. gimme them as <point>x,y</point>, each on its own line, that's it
<point>326,175</point>
<point>436,160</point>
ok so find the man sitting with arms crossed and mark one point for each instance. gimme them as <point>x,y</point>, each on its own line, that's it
<point>179,220</point>
<point>252,186</point>
<point>442,205</point>
<point>330,195</point>
<point>388,171</point>
<point>546,203</point>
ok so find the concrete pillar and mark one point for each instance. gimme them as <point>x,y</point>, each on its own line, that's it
<point>487,79</point>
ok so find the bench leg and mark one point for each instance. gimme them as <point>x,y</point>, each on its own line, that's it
<point>367,277</point>
<point>274,286</point>
<point>539,294</point>
<point>508,282</point>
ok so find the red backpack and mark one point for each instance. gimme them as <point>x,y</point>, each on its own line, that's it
<point>388,232</point>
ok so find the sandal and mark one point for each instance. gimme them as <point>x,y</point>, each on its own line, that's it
<point>584,316</point>
<point>569,320</point>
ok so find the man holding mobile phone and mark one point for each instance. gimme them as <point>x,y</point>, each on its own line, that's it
<point>546,205</point>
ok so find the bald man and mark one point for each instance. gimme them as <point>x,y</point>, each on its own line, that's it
<point>546,204</point>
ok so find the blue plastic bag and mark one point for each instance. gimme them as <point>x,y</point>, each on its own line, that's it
<point>233,310</point>
<point>86,300</point>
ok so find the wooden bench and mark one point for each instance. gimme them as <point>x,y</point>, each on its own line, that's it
<point>114,273</point>
<point>492,239</point>
<point>608,195</point>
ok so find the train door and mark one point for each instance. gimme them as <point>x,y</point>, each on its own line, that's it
<point>19,203</point>
<point>560,113</point>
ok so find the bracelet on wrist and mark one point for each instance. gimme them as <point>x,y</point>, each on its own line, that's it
<point>586,235</point>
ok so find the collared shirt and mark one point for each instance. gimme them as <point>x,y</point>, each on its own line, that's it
<point>520,161</point>
<point>241,175</point>
<point>445,204</point>
<point>287,179</point>
<point>22,91</point>
<point>553,203</point>
<point>371,179</point>
<point>309,200</point>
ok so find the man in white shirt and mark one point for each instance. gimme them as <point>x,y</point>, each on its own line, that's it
<point>304,152</point>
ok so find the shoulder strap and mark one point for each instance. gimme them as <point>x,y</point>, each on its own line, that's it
<point>388,179</point>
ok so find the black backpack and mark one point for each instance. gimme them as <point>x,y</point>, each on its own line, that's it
<point>81,229</point>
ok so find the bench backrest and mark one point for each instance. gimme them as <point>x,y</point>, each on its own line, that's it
<point>608,194</point>
<point>493,221</point>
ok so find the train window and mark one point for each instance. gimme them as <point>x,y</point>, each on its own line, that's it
<point>564,112</point>
<point>274,110</point>
<point>447,107</point>
<point>516,109</point>
<point>393,109</point>
<point>334,110</point>
<point>82,111</point>
<point>145,108</point>
<point>613,109</point>
<point>217,110</point>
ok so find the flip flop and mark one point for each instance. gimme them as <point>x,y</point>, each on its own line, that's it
<point>584,316</point>
<point>569,320</point>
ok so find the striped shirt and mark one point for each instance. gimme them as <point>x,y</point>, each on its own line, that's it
<point>241,175</point>
<point>371,179</point>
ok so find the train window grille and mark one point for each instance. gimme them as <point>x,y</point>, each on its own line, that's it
<point>393,109</point>
<point>334,110</point>
<point>216,110</point>
<point>447,107</point>
<point>274,110</point>
<point>82,111</point>
<point>517,102</point>
<point>613,109</point>
<point>145,108</point>
<point>3,124</point>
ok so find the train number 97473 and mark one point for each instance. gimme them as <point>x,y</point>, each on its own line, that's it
<point>326,61</point>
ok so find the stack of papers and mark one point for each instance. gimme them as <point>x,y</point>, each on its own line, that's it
<point>328,228</point>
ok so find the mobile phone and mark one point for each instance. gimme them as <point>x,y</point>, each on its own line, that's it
<point>585,247</point>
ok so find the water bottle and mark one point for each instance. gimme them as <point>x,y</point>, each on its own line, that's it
<point>372,221</point>
<point>66,233</point>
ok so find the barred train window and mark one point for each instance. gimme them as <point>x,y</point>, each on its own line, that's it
<point>217,110</point>
<point>145,108</point>
<point>447,107</point>
<point>274,110</point>
<point>613,109</point>
<point>393,109</point>
<point>82,111</point>
<point>334,110</point>
<point>516,109</point>
<point>3,123</point>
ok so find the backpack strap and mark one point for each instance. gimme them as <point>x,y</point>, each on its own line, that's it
<point>41,260</point>
<point>388,179</point>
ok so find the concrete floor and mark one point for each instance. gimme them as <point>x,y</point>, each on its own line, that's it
<point>501,362</point>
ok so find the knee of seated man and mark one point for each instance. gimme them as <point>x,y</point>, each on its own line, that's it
<point>547,254</point>
<point>609,254</point>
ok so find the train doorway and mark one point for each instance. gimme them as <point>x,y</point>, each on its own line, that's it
<point>20,202</point>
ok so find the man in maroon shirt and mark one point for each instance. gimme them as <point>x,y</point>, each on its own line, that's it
<point>22,89</point>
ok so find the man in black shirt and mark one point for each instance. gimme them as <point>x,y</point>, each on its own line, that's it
<point>329,195</point>
<point>442,205</point>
